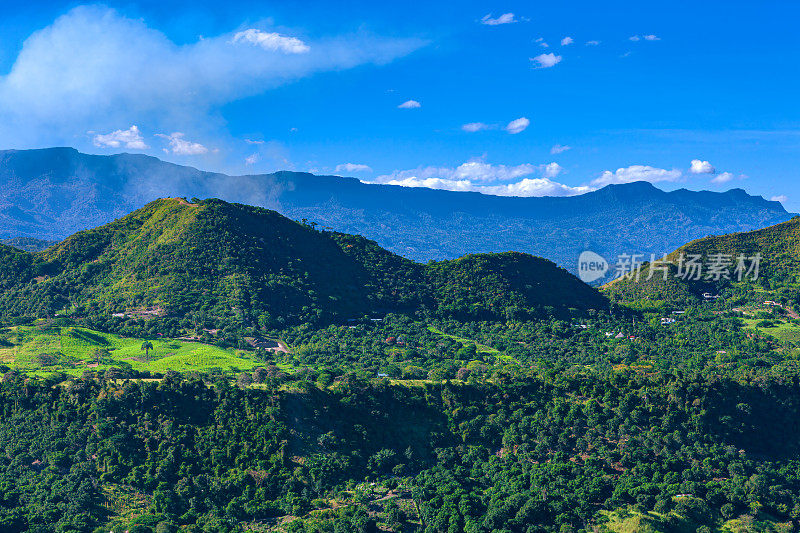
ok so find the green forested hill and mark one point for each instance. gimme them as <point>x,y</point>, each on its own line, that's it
<point>226,261</point>
<point>15,267</point>
<point>779,266</point>
<point>779,246</point>
<point>507,284</point>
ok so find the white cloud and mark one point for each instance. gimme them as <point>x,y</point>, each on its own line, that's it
<point>780,198</point>
<point>525,187</point>
<point>723,177</point>
<point>505,18</point>
<point>649,37</point>
<point>698,166</point>
<point>274,42</point>
<point>410,104</point>
<point>476,170</point>
<point>637,173</point>
<point>352,167</point>
<point>559,148</point>
<point>250,141</point>
<point>130,138</point>
<point>479,176</point>
<point>518,125</point>
<point>93,68</point>
<point>180,146</point>
<point>592,43</point>
<point>551,170</point>
<point>566,41</point>
<point>475,126</point>
<point>251,159</point>
<point>546,60</point>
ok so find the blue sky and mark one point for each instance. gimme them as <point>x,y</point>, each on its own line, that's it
<point>514,98</point>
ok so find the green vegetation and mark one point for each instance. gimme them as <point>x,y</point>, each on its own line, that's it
<point>28,244</point>
<point>552,450</point>
<point>143,388</point>
<point>778,272</point>
<point>177,265</point>
<point>43,348</point>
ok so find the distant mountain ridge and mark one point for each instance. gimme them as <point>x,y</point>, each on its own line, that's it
<point>28,244</point>
<point>51,193</point>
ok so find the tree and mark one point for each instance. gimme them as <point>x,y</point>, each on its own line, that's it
<point>147,346</point>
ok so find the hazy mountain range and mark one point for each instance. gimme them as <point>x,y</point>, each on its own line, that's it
<point>52,193</point>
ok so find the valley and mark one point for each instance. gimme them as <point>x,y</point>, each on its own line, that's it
<point>207,366</point>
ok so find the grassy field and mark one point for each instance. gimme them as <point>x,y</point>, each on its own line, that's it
<point>630,521</point>
<point>480,348</point>
<point>783,331</point>
<point>44,349</point>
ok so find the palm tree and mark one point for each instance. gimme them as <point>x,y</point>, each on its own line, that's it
<point>147,346</point>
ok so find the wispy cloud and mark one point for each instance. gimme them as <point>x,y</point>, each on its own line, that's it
<point>410,104</point>
<point>130,138</point>
<point>566,41</point>
<point>518,125</point>
<point>93,69</point>
<point>353,167</point>
<point>505,18</point>
<point>251,159</point>
<point>592,43</point>
<point>559,148</point>
<point>780,198</point>
<point>274,42</point>
<point>649,37</point>
<point>472,127</point>
<point>546,60</point>
<point>725,177</point>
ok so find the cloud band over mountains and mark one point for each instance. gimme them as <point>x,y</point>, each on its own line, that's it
<point>531,180</point>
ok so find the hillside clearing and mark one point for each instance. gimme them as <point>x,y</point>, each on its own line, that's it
<point>44,349</point>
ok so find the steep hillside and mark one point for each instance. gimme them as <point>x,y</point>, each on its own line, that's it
<point>656,290</point>
<point>507,284</point>
<point>779,265</point>
<point>216,262</point>
<point>52,193</point>
<point>779,246</point>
